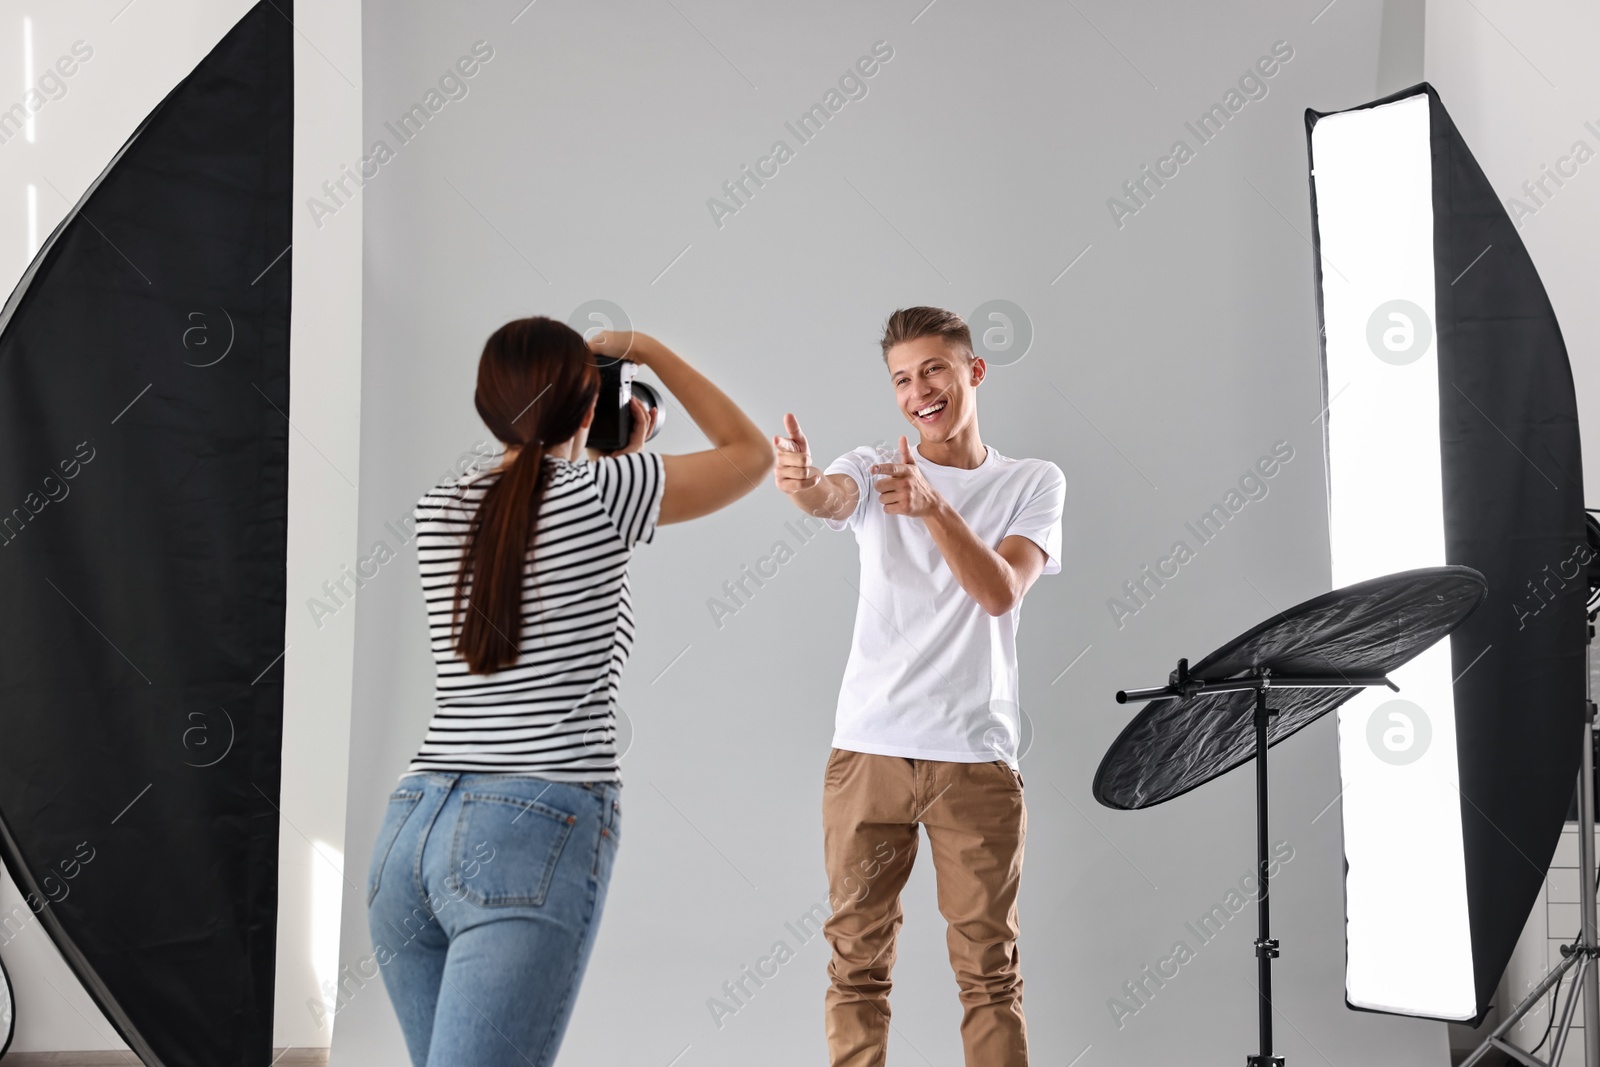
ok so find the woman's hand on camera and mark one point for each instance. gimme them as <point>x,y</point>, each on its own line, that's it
<point>643,422</point>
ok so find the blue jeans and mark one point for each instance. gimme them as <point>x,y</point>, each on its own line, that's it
<point>483,897</point>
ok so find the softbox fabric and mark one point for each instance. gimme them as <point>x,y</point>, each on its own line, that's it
<point>144,399</point>
<point>1452,438</point>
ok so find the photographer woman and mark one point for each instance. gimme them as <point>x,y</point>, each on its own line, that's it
<point>489,873</point>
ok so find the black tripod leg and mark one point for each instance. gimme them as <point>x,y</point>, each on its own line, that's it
<point>1266,947</point>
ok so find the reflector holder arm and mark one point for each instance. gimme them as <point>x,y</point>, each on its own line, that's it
<point>1183,684</point>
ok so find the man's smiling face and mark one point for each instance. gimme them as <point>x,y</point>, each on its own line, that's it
<point>935,385</point>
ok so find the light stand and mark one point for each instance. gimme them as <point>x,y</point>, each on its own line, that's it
<point>1583,952</point>
<point>1183,685</point>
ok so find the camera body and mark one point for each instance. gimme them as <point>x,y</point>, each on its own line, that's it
<point>613,416</point>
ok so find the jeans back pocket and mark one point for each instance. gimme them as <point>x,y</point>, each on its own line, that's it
<point>505,849</point>
<point>395,814</point>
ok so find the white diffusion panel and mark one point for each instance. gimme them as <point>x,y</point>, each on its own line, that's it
<point>1408,939</point>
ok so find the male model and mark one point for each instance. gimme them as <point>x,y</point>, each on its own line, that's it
<point>952,535</point>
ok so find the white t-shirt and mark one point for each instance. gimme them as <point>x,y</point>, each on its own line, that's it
<point>931,674</point>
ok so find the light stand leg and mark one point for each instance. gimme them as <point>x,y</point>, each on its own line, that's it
<point>1497,1039</point>
<point>1266,947</point>
<point>1586,878</point>
<point>1564,1028</point>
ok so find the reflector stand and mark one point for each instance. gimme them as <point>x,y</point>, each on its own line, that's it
<point>1182,685</point>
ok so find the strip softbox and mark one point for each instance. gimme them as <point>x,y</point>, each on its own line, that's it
<point>1452,438</point>
<point>144,398</point>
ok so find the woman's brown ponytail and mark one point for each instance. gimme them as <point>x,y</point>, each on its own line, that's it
<point>536,382</point>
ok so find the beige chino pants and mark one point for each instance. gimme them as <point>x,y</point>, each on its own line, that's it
<point>976,823</point>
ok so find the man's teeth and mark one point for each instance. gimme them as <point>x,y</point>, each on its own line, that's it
<point>930,409</point>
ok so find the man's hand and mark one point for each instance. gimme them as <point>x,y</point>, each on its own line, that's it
<point>903,490</point>
<point>827,496</point>
<point>997,577</point>
<point>792,470</point>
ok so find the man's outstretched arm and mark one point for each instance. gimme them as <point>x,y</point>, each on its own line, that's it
<point>827,496</point>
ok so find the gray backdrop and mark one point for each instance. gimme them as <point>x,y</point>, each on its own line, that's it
<point>1167,355</point>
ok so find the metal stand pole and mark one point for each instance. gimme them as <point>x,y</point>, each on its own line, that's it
<point>1266,945</point>
<point>1586,869</point>
<point>1497,1040</point>
<point>1181,684</point>
<point>1564,1030</point>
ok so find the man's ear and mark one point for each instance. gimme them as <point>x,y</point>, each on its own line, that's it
<point>979,370</point>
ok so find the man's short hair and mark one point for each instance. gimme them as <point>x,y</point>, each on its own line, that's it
<point>909,324</point>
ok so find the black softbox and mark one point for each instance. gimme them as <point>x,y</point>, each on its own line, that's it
<point>144,398</point>
<point>1452,438</point>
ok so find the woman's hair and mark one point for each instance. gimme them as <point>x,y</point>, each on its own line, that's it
<point>536,381</point>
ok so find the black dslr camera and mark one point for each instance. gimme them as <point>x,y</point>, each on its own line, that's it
<point>613,417</point>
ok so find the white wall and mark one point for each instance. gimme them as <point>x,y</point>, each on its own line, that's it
<point>1171,355</point>
<point>141,51</point>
